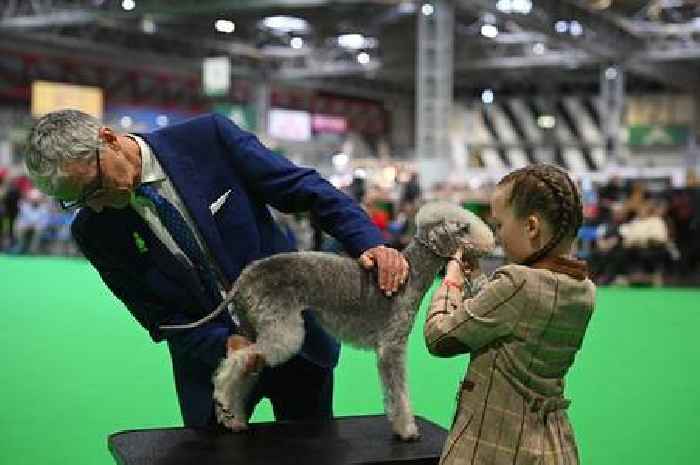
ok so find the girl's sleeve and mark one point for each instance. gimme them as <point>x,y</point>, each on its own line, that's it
<point>458,323</point>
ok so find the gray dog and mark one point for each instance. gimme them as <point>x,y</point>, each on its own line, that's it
<point>271,294</point>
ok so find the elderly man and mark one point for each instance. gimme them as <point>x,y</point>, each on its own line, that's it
<point>174,216</point>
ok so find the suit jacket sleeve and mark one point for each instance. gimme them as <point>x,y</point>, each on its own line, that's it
<point>290,188</point>
<point>457,324</point>
<point>206,343</point>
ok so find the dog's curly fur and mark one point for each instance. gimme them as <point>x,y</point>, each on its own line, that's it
<point>271,294</point>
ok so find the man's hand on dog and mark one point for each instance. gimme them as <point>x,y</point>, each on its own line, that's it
<point>255,362</point>
<point>392,267</point>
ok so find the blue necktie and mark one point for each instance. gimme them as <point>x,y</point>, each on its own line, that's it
<point>184,237</point>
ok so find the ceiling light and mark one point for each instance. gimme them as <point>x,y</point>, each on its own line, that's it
<point>128,5</point>
<point>286,23</point>
<point>575,28</point>
<point>351,41</point>
<point>340,160</point>
<point>406,8</point>
<point>148,26</point>
<point>561,26</point>
<point>599,4</point>
<point>296,42</point>
<point>224,25</point>
<point>360,173</point>
<point>522,6</point>
<point>489,30</point>
<point>546,121</point>
<point>487,96</point>
<point>427,9</point>
<point>162,120</point>
<point>514,6</point>
<point>503,6</point>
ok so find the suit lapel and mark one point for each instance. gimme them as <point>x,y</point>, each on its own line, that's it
<point>133,242</point>
<point>128,228</point>
<point>186,178</point>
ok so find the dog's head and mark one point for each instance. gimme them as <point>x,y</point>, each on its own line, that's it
<point>447,227</point>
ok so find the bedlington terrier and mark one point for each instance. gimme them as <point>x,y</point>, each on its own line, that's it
<point>270,295</point>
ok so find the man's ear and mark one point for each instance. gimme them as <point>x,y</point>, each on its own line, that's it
<point>108,136</point>
<point>533,226</point>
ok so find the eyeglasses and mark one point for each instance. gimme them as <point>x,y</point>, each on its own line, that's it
<point>89,193</point>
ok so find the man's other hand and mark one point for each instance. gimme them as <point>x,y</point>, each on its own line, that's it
<point>255,362</point>
<point>392,267</point>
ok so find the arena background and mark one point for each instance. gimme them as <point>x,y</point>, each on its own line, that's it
<point>76,368</point>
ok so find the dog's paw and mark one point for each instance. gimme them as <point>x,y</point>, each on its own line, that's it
<point>409,433</point>
<point>227,419</point>
<point>222,413</point>
<point>235,425</point>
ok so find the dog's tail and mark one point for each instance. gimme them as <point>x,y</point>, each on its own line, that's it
<point>227,304</point>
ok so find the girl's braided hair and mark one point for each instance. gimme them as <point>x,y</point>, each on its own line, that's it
<point>550,192</point>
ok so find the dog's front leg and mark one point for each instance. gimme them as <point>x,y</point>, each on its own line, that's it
<point>391,361</point>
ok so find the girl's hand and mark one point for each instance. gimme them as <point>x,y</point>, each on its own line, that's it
<point>454,272</point>
<point>465,264</point>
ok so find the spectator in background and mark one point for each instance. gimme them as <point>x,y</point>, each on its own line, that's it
<point>57,235</point>
<point>358,189</point>
<point>403,227</point>
<point>323,242</point>
<point>411,190</point>
<point>614,191</point>
<point>647,244</point>
<point>684,220</point>
<point>3,189</point>
<point>637,204</point>
<point>608,260</point>
<point>32,220</point>
<point>372,203</point>
<point>11,210</point>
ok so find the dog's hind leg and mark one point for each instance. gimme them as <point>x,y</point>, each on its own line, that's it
<point>231,389</point>
<point>279,338</point>
<point>391,361</point>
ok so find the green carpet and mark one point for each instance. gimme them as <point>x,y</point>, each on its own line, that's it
<point>76,367</point>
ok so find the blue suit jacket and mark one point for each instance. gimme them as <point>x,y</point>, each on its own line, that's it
<point>204,158</point>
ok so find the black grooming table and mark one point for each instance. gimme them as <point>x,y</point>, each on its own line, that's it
<point>349,440</point>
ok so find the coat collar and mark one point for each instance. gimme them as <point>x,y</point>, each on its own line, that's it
<point>577,269</point>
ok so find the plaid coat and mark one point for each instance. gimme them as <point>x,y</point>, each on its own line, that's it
<point>522,329</point>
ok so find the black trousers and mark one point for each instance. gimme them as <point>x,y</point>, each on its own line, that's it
<point>298,390</point>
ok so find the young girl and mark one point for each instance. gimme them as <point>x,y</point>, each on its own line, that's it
<point>522,328</point>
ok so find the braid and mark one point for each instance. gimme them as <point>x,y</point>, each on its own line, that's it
<point>578,205</point>
<point>563,222</point>
<point>559,202</point>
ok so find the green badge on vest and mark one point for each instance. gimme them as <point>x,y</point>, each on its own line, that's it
<point>140,243</point>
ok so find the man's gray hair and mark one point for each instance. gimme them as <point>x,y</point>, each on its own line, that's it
<point>59,137</point>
